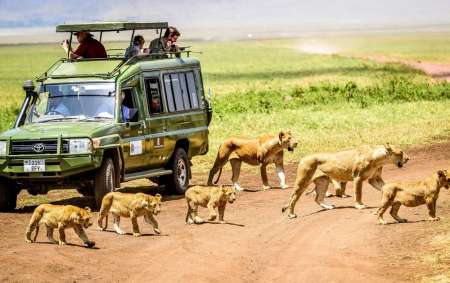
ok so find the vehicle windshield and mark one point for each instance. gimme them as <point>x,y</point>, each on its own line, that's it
<point>61,102</point>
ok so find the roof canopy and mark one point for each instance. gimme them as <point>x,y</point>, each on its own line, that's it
<point>110,26</point>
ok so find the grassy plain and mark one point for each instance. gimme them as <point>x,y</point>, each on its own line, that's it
<point>330,102</point>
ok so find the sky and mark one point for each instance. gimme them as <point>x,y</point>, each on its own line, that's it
<point>210,18</point>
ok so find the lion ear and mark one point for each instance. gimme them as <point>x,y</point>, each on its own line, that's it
<point>88,209</point>
<point>388,147</point>
<point>158,196</point>
<point>281,135</point>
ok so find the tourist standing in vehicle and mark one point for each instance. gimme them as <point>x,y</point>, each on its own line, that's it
<point>167,43</point>
<point>89,47</point>
<point>137,47</point>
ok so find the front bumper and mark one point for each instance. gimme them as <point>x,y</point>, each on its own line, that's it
<point>56,166</point>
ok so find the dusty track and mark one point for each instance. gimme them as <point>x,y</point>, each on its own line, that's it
<point>258,245</point>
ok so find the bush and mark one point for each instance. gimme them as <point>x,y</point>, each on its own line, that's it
<point>393,91</point>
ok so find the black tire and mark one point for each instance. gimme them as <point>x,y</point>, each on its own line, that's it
<point>8,195</point>
<point>178,182</point>
<point>105,180</point>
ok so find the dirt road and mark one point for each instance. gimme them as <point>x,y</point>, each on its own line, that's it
<point>434,70</point>
<point>259,244</point>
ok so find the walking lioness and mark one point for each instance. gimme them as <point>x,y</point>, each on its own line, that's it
<point>130,205</point>
<point>211,197</point>
<point>413,194</point>
<point>364,163</point>
<point>262,151</point>
<point>60,217</point>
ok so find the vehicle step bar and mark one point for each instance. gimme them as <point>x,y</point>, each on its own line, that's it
<point>146,174</point>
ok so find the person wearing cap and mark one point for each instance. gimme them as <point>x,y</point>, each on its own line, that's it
<point>167,43</point>
<point>89,47</point>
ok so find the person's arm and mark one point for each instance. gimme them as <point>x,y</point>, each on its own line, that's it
<point>72,55</point>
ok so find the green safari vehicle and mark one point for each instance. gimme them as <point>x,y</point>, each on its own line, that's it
<point>91,124</point>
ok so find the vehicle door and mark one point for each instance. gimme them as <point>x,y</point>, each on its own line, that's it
<point>159,153</point>
<point>132,118</point>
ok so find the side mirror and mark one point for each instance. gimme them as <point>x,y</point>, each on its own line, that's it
<point>28,86</point>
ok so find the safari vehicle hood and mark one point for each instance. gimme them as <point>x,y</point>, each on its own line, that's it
<point>56,129</point>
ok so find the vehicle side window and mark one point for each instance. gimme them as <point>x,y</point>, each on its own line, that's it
<point>154,96</point>
<point>181,91</point>
<point>129,107</point>
<point>169,93</point>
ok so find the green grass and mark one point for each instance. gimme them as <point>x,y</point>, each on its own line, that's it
<point>330,102</point>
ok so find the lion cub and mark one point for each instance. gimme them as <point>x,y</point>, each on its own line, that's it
<point>210,197</point>
<point>130,205</point>
<point>413,194</point>
<point>60,217</point>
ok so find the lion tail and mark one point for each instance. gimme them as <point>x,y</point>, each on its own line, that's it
<point>225,150</point>
<point>34,223</point>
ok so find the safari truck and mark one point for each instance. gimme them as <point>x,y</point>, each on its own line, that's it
<point>71,131</point>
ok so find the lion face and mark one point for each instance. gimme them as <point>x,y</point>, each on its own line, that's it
<point>155,204</point>
<point>287,140</point>
<point>444,178</point>
<point>230,194</point>
<point>83,217</point>
<point>398,157</point>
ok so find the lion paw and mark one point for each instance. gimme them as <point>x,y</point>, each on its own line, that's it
<point>265,188</point>
<point>157,231</point>
<point>100,228</point>
<point>327,206</point>
<point>284,186</point>
<point>137,234</point>
<point>62,243</point>
<point>382,221</point>
<point>198,220</point>
<point>90,244</point>
<point>434,219</point>
<point>360,206</point>
<point>292,216</point>
<point>28,241</point>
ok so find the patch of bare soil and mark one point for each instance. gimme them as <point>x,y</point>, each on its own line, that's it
<point>434,70</point>
<point>258,243</point>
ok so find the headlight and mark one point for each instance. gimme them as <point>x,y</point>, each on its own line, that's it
<point>77,146</point>
<point>3,148</point>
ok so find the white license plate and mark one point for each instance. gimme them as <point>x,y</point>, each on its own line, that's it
<point>34,165</point>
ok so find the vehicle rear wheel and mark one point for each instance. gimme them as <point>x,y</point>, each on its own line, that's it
<point>178,182</point>
<point>8,195</point>
<point>104,180</point>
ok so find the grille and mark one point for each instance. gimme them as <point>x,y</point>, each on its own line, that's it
<point>37,147</point>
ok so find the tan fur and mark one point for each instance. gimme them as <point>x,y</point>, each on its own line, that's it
<point>263,151</point>
<point>364,163</point>
<point>413,194</point>
<point>130,205</point>
<point>60,217</point>
<point>211,197</point>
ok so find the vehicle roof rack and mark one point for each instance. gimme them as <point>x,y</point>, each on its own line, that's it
<point>110,26</point>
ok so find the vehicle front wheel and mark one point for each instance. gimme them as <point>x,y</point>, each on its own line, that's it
<point>8,195</point>
<point>178,182</point>
<point>104,180</point>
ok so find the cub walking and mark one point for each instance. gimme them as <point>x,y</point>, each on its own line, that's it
<point>413,194</point>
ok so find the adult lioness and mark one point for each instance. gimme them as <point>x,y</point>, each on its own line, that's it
<point>130,205</point>
<point>262,151</point>
<point>208,196</point>
<point>60,217</point>
<point>364,163</point>
<point>413,194</point>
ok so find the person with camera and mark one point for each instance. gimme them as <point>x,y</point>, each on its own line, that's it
<point>89,47</point>
<point>167,43</point>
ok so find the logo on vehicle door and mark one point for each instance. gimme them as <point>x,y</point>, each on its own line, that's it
<point>158,143</point>
<point>38,147</point>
